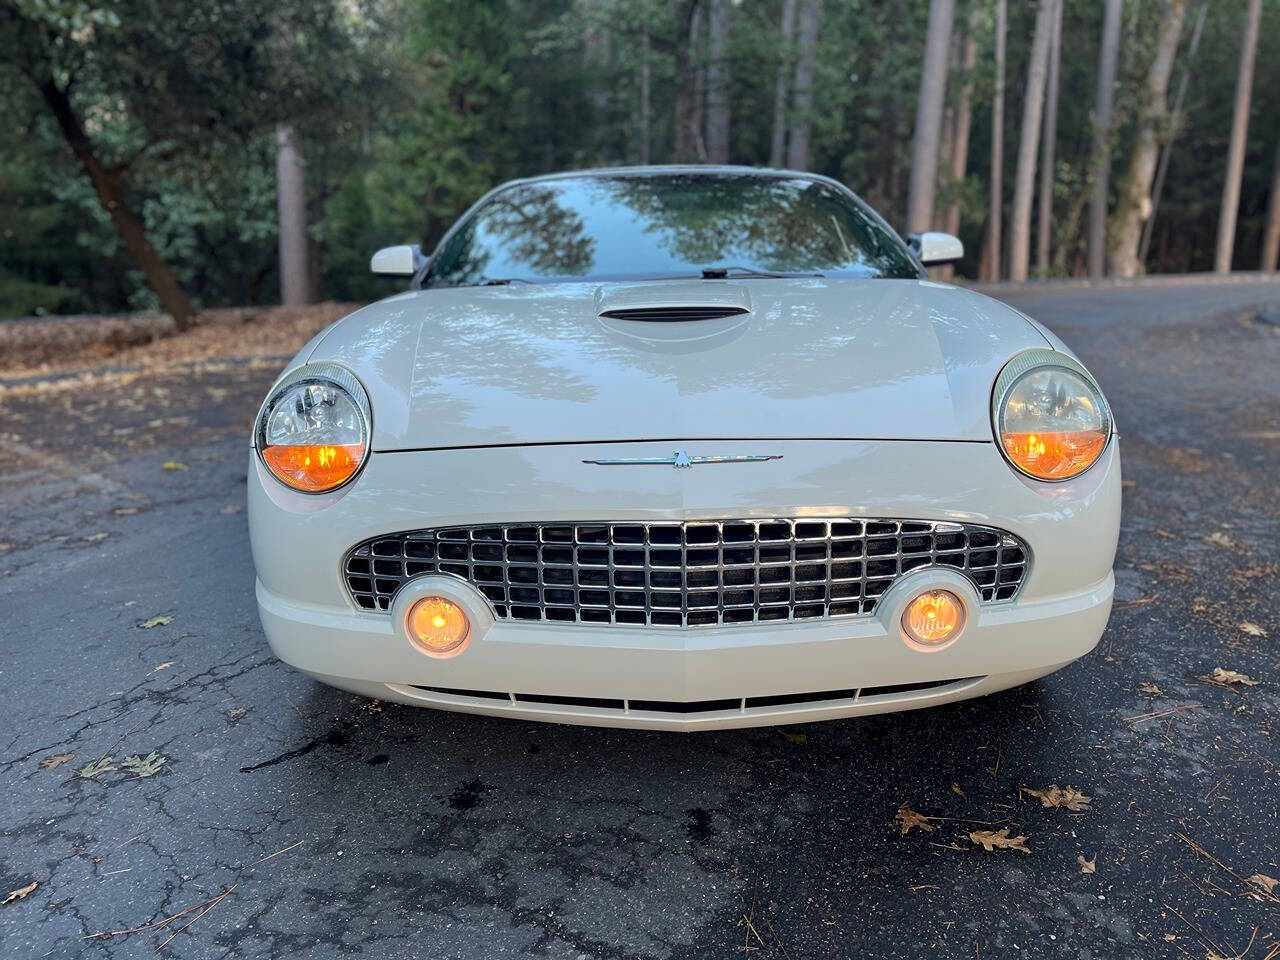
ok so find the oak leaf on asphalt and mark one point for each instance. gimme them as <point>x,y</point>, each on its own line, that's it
<point>97,768</point>
<point>20,893</point>
<point>1152,688</point>
<point>158,621</point>
<point>147,766</point>
<point>175,465</point>
<point>1056,796</point>
<point>1252,629</point>
<point>1087,866</point>
<point>909,818</point>
<point>992,840</point>
<point>56,760</point>
<point>1228,677</point>
<point>1263,882</point>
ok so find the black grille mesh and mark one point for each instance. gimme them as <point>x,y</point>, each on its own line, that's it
<point>687,574</point>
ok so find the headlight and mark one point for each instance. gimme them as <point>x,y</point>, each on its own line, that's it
<point>1050,418</point>
<point>313,431</point>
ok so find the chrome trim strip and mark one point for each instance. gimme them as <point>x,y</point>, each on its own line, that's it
<point>682,459</point>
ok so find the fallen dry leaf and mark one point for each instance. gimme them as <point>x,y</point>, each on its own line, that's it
<point>1152,688</point>
<point>1228,677</point>
<point>1263,882</point>
<point>175,465</point>
<point>1220,539</point>
<point>147,766</point>
<point>908,818</point>
<point>97,768</point>
<point>796,737</point>
<point>999,839</point>
<point>125,511</point>
<point>955,788</point>
<point>96,537</point>
<point>55,761</point>
<point>158,621</point>
<point>1087,866</point>
<point>20,893</point>
<point>164,666</point>
<point>1056,796</point>
<point>1252,629</point>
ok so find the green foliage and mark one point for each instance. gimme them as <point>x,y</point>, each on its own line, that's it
<point>409,110</point>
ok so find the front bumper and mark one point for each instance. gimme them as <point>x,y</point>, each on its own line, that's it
<point>694,678</point>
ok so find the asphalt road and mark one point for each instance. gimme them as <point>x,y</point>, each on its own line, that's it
<point>338,826</point>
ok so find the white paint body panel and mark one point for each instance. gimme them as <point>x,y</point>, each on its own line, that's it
<point>528,364</point>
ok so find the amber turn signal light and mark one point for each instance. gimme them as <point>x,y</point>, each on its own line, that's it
<point>933,618</point>
<point>1054,456</point>
<point>439,627</point>
<point>314,468</point>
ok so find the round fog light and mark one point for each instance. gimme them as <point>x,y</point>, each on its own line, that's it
<point>933,618</point>
<point>439,627</point>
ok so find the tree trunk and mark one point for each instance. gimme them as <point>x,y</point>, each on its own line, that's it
<point>1239,130</point>
<point>1162,169</point>
<point>291,208</point>
<point>685,105</point>
<point>697,41</point>
<point>798,147</point>
<point>777,148</point>
<point>964,118</point>
<point>1110,47</point>
<point>928,135</point>
<point>1048,147</point>
<point>1133,204</point>
<point>993,237</point>
<point>108,184</point>
<point>1024,177</point>
<point>646,85</point>
<point>1271,232</point>
<point>718,81</point>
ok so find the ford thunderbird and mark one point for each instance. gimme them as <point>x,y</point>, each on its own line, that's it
<point>682,448</point>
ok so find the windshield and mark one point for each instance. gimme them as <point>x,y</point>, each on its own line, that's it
<point>647,226</point>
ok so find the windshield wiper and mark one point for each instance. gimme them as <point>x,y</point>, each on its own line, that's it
<point>721,273</point>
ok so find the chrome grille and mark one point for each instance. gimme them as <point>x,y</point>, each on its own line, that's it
<point>699,573</point>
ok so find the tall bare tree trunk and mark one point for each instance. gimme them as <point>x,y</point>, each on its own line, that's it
<point>1271,232</point>
<point>933,95</point>
<point>108,184</point>
<point>1235,152</point>
<point>291,211</point>
<point>991,268</point>
<point>1133,204</point>
<point>646,110</point>
<point>964,117</point>
<point>718,81</point>
<point>1024,177</point>
<point>1162,168</point>
<point>777,148</point>
<point>798,145</point>
<point>1048,147</point>
<point>686,107</point>
<point>1110,47</point>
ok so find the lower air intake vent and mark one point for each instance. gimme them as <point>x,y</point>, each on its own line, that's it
<point>673,314</point>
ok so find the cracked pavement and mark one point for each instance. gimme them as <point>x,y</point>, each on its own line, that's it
<point>346,826</point>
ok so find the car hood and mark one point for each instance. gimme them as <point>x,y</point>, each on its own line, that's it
<point>793,358</point>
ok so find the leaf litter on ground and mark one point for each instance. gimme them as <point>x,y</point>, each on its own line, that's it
<point>56,760</point>
<point>992,840</point>
<point>158,621</point>
<point>1055,796</point>
<point>909,818</point>
<point>1225,678</point>
<point>147,766</point>
<point>20,894</point>
<point>97,768</point>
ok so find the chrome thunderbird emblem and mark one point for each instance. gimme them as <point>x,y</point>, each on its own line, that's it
<point>681,459</point>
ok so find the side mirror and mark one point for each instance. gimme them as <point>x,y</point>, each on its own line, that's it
<point>935,249</point>
<point>401,261</point>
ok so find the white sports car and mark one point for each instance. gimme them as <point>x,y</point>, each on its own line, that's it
<point>682,448</point>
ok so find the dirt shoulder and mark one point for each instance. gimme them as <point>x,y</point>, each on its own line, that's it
<point>41,350</point>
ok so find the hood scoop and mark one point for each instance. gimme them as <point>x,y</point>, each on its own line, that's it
<point>674,314</point>
<point>679,301</point>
